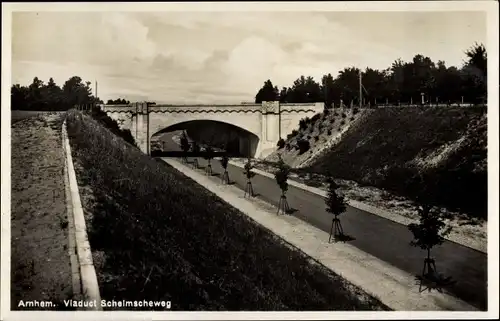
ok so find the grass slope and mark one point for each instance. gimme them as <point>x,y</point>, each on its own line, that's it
<point>320,131</point>
<point>391,147</point>
<point>157,235</point>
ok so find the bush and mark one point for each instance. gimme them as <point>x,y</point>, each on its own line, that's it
<point>303,146</point>
<point>315,118</point>
<point>352,118</point>
<point>342,123</point>
<point>344,115</point>
<point>355,111</point>
<point>329,131</point>
<point>294,133</point>
<point>325,113</point>
<point>316,138</point>
<point>113,126</point>
<point>281,143</point>
<point>308,137</point>
<point>303,124</point>
<point>282,174</point>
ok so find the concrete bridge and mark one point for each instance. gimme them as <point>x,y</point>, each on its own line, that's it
<point>262,124</point>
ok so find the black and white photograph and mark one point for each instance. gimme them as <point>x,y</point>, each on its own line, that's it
<point>333,157</point>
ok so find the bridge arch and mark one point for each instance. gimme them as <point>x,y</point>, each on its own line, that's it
<point>216,133</point>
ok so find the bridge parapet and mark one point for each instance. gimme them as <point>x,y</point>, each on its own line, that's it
<point>267,107</point>
<point>205,108</point>
<point>132,108</point>
<point>301,108</point>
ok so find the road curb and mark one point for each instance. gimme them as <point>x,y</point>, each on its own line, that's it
<point>392,286</point>
<point>358,205</point>
<point>85,285</point>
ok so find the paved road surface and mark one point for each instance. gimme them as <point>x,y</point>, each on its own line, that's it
<point>382,238</point>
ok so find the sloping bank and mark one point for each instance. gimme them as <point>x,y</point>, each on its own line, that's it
<point>157,235</point>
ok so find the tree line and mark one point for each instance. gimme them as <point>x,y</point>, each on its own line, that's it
<point>42,96</point>
<point>402,82</point>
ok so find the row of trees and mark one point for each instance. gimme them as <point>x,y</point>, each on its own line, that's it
<point>402,82</point>
<point>427,233</point>
<point>49,96</point>
<point>119,101</point>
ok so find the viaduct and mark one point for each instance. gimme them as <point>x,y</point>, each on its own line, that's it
<point>263,124</point>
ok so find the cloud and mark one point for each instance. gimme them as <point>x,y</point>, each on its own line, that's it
<point>225,56</point>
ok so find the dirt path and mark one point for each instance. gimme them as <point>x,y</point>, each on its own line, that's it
<point>40,263</point>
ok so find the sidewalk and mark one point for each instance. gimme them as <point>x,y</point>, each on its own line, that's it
<point>394,287</point>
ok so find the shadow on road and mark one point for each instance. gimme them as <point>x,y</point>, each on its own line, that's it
<point>438,283</point>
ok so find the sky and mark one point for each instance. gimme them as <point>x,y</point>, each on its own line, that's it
<point>225,57</point>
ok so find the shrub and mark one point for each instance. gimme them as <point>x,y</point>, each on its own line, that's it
<point>303,124</point>
<point>316,138</point>
<point>224,161</point>
<point>281,143</point>
<point>342,122</point>
<point>315,118</point>
<point>308,137</point>
<point>352,118</point>
<point>355,111</point>
<point>325,113</point>
<point>113,126</point>
<point>282,174</point>
<point>303,146</point>
<point>430,231</point>
<point>332,121</point>
<point>335,203</point>
<point>294,133</point>
<point>247,170</point>
<point>329,131</point>
<point>344,115</point>
<point>209,154</point>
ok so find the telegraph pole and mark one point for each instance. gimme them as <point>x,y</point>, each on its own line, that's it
<point>360,90</point>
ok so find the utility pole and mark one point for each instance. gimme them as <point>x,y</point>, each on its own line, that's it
<point>360,90</point>
<point>96,89</point>
<point>279,119</point>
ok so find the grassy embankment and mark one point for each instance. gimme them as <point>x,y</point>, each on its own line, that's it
<point>40,262</point>
<point>389,148</point>
<point>157,235</point>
